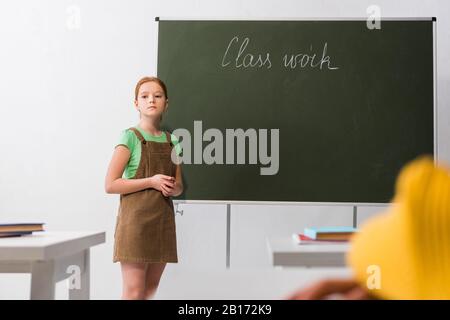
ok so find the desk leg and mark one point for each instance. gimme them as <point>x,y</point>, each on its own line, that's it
<point>83,292</point>
<point>228,244</point>
<point>42,280</point>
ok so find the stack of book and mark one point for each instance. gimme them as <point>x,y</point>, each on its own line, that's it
<point>324,235</point>
<point>19,229</point>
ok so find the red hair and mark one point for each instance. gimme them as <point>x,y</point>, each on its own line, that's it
<point>150,79</point>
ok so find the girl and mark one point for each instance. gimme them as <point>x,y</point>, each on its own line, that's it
<point>142,172</point>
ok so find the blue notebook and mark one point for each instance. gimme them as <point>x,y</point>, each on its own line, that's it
<point>314,233</point>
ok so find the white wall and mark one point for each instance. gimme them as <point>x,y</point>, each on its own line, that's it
<point>66,94</point>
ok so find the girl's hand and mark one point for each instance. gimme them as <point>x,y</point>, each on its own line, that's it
<point>163,183</point>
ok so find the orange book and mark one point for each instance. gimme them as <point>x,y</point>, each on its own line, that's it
<point>21,227</point>
<point>302,239</point>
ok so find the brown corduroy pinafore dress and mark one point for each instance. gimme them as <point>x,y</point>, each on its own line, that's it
<point>145,227</point>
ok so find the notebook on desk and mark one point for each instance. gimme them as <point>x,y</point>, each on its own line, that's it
<point>330,233</point>
<point>300,238</point>
<point>19,229</point>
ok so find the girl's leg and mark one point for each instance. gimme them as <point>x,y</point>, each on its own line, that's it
<point>154,273</point>
<point>133,278</point>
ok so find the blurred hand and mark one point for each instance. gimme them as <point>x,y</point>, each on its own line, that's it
<point>332,288</point>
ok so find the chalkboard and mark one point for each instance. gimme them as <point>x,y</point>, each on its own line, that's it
<point>350,106</point>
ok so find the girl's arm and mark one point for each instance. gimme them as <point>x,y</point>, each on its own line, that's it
<point>114,182</point>
<point>178,188</point>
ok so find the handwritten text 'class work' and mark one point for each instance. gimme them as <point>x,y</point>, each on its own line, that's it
<point>241,58</point>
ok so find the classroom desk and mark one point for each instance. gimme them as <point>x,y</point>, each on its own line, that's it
<point>259,283</point>
<point>285,252</point>
<point>47,256</point>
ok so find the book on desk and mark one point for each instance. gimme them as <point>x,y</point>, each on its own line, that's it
<point>19,229</point>
<point>324,235</point>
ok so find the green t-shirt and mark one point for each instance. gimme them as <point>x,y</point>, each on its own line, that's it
<point>129,139</point>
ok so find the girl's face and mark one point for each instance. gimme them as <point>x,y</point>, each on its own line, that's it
<point>151,100</point>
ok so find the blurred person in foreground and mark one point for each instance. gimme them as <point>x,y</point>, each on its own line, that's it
<point>403,253</point>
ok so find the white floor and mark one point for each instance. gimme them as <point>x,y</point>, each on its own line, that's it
<point>208,284</point>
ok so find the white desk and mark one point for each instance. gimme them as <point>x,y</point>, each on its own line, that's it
<point>285,252</point>
<point>47,256</point>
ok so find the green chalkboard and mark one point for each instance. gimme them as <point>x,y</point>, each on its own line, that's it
<point>351,106</point>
